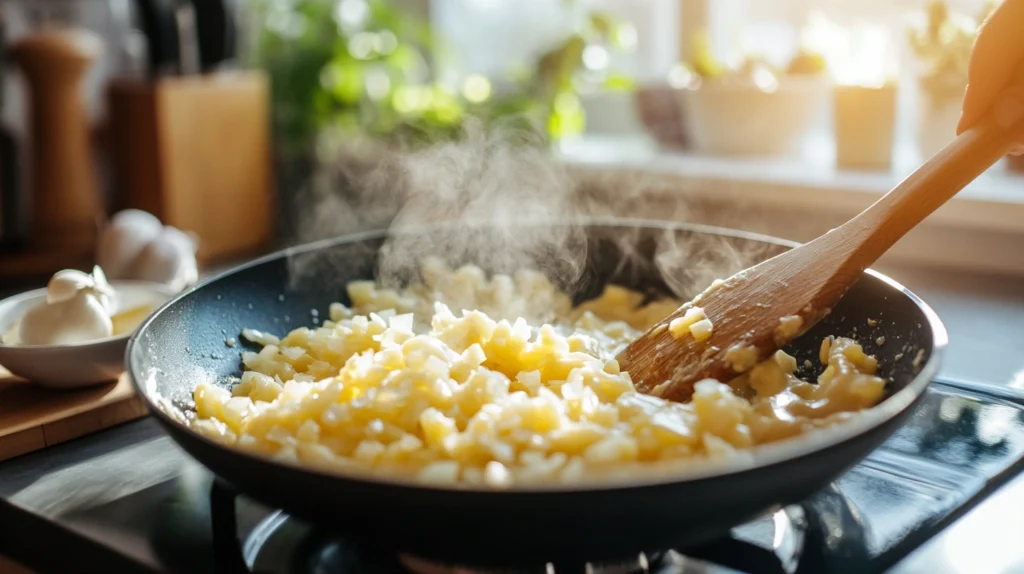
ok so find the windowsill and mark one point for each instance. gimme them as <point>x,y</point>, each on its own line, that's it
<point>987,217</point>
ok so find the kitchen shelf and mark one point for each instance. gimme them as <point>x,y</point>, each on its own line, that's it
<point>995,201</point>
<point>800,197</point>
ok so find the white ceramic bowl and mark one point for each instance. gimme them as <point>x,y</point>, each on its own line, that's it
<point>78,365</point>
<point>741,119</point>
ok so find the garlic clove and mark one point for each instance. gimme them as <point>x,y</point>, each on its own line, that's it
<point>77,320</point>
<point>66,284</point>
<point>103,291</point>
<point>169,259</point>
<point>186,241</point>
<point>99,277</point>
<point>121,242</point>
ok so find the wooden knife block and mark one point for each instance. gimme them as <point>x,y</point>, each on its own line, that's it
<point>195,151</point>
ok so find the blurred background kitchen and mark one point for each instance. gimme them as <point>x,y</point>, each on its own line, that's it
<point>251,125</point>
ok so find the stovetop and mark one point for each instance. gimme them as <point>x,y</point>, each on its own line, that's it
<point>127,500</point>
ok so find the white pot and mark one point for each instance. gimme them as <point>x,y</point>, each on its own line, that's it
<point>611,113</point>
<point>936,125</point>
<point>742,119</point>
<point>864,121</point>
<point>937,114</point>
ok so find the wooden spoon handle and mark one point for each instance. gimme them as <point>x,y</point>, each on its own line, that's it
<point>934,183</point>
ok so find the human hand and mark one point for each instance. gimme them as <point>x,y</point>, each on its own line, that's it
<point>996,71</point>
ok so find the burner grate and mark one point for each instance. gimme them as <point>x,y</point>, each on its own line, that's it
<point>643,563</point>
<point>282,544</point>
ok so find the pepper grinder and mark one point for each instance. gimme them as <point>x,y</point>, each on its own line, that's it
<point>66,205</point>
<point>11,217</point>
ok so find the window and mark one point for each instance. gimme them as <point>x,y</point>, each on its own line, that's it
<point>494,35</point>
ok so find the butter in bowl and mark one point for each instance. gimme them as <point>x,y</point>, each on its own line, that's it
<point>73,332</point>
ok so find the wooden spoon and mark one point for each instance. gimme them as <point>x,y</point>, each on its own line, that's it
<point>760,309</point>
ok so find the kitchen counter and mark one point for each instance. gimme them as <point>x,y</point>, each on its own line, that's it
<point>982,313</point>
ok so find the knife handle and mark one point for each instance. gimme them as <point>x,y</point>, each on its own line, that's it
<point>215,24</point>
<point>159,24</point>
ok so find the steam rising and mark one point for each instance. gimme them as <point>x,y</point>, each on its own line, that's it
<point>497,198</point>
<point>490,185</point>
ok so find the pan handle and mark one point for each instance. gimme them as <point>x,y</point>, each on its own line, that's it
<point>227,548</point>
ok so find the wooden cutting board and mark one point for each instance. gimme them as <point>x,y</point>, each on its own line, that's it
<point>33,417</point>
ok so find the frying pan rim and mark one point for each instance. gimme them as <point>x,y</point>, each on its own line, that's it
<point>762,456</point>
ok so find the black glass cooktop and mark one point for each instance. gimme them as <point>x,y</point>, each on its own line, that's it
<point>962,443</point>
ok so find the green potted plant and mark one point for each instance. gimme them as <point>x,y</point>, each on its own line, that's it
<point>355,80</point>
<point>942,45</point>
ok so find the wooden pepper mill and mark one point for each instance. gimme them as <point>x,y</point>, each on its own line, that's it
<point>65,201</point>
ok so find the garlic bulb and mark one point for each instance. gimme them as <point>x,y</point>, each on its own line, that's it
<point>170,259</point>
<point>135,245</point>
<point>124,238</point>
<point>78,308</point>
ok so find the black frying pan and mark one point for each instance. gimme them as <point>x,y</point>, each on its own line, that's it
<point>184,343</point>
